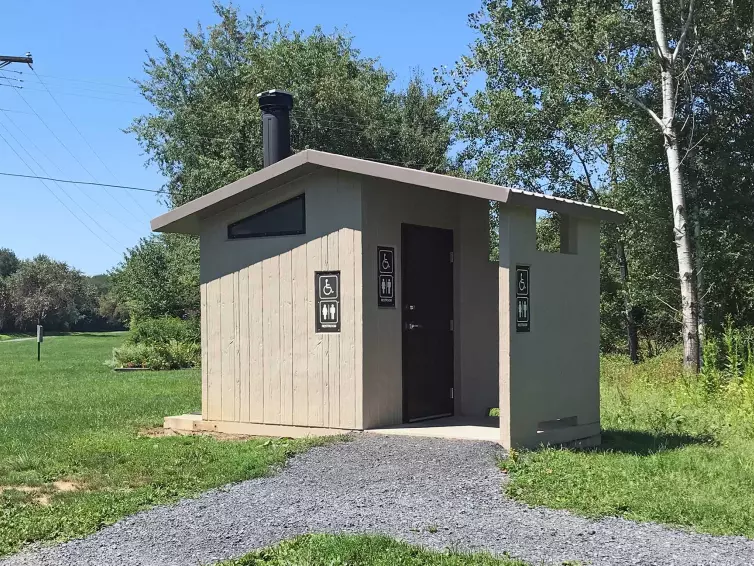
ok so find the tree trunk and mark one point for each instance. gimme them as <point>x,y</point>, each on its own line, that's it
<point>681,235</point>
<point>690,319</point>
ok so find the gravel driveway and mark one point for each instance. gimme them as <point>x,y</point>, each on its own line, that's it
<point>399,486</point>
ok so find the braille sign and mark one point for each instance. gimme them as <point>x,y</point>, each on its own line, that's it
<point>385,277</point>
<point>523,306</point>
<point>327,305</point>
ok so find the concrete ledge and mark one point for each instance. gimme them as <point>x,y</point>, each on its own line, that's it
<point>194,423</point>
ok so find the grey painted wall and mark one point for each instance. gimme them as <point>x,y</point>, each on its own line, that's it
<point>552,372</point>
<point>387,205</point>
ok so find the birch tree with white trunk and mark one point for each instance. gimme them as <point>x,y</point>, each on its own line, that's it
<point>668,59</point>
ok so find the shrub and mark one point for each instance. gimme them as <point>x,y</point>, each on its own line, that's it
<point>163,330</point>
<point>165,355</point>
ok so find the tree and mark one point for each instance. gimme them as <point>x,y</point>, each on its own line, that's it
<point>43,290</point>
<point>159,277</point>
<point>668,58</point>
<point>9,262</point>
<point>206,128</point>
<point>568,92</point>
<point>206,131</point>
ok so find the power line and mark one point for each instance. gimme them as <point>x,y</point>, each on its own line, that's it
<point>72,155</point>
<point>61,188</point>
<point>79,182</point>
<point>12,121</point>
<point>84,224</point>
<point>131,87</point>
<point>75,127</point>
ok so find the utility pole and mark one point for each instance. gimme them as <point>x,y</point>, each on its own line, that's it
<point>6,60</point>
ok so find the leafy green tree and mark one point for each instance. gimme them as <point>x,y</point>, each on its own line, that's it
<point>566,108</point>
<point>9,262</point>
<point>49,292</point>
<point>206,130</point>
<point>159,277</point>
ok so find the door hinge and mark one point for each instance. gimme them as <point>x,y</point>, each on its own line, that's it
<point>451,326</point>
<point>452,393</point>
<point>451,257</point>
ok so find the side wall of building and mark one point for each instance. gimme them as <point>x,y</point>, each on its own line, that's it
<point>262,361</point>
<point>549,377</point>
<point>386,206</point>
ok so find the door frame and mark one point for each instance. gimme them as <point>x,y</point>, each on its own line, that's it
<point>404,397</point>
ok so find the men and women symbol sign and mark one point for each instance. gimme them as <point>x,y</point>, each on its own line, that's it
<point>385,277</point>
<point>328,301</point>
<point>523,308</point>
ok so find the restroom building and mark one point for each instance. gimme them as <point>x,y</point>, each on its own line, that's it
<point>343,294</point>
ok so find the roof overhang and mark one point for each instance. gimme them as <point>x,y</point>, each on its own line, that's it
<point>187,219</point>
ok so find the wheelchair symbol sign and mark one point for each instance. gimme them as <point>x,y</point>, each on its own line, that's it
<point>328,286</point>
<point>522,281</point>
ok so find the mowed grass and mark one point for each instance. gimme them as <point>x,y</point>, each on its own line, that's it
<point>71,419</point>
<point>360,550</point>
<point>672,453</point>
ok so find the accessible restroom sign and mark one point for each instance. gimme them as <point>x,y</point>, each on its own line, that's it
<point>327,305</point>
<point>523,304</point>
<point>385,277</point>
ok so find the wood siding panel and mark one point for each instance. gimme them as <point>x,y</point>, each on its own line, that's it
<point>256,354</point>
<point>332,369</point>
<point>315,403</point>
<point>205,350</point>
<point>214,351</point>
<point>301,308</point>
<point>358,326</point>
<point>347,331</point>
<point>286,339</point>
<point>228,337</point>
<point>271,315</point>
<point>244,338</point>
<point>263,362</point>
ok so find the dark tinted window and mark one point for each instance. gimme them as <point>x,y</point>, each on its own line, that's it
<point>282,219</point>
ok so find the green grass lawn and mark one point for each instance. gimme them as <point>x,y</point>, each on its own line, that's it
<point>13,335</point>
<point>360,550</point>
<point>671,453</point>
<point>69,418</point>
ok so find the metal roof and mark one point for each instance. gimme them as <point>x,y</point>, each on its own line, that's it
<point>186,219</point>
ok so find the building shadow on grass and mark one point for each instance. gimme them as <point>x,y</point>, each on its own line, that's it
<point>642,443</point>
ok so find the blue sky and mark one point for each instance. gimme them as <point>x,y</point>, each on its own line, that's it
<point>85,51</point>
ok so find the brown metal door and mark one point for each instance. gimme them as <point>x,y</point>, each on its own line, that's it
<point>427,261</point>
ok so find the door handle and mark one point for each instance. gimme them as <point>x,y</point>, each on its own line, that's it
<point>412,326</point>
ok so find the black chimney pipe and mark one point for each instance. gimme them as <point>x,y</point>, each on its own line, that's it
<point>276,124</point>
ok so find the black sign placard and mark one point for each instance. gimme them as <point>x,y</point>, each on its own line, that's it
<point>385,277</point>
<point>327,305</point>
<point>523,299</point>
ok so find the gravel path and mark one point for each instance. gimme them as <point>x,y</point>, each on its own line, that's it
<point>398,486</point>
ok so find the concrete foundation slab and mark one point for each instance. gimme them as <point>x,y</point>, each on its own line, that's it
<point>459,428</point>
<point>194,423</point>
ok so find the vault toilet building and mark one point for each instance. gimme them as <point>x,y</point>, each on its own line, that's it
<point>343,294</point>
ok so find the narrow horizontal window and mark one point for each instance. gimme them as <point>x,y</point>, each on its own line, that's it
<point>284,219</point>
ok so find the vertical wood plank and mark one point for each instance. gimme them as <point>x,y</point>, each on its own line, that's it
<point>348,303</point>
<point>205,350</point>
<point>286,338</point>
<point>314,409</point>
<point>237,346</point>
<point>214,350</point>
<point>244,338</point>
<point>301,282</point>
<point>256,353</point>
<point>228,347</point>
<point>332,398</point>
<point>327,339</point>
<point>271,313</point>
<point>358,330</point>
